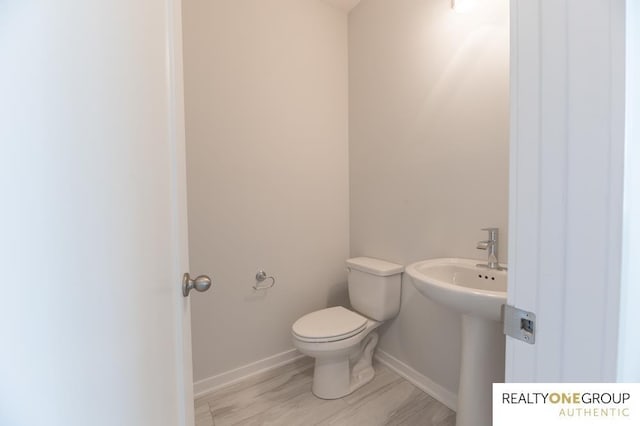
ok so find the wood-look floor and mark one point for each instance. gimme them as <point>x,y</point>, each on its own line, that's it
<point>283,397</point>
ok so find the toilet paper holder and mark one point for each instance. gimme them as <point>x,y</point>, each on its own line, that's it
<point>261,277</point>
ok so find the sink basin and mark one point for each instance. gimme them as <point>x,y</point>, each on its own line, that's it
<point>478,294</point>
<point>461,285</point>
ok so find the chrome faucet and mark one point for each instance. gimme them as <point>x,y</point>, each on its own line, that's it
<point>491,246</point>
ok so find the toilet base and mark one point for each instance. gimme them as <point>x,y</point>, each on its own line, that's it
<point>334,378</point>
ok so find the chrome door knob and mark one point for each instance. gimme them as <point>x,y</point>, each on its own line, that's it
<point>201,284</point>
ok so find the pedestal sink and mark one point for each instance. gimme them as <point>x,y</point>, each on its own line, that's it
<point>478,294</point>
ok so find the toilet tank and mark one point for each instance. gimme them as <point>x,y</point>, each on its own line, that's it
<point>374,287</point>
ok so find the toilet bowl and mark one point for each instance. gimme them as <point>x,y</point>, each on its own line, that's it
<point>335,348</point>
<point>343,341</point>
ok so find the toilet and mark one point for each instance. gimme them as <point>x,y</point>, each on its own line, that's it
<point>342,341</point>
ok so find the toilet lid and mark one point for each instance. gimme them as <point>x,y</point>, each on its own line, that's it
<point>329,324</point>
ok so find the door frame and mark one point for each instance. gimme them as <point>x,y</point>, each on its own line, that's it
<point>566,187</point>
<point>176,118</point>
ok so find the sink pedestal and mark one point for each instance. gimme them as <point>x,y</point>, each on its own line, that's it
<point>478,294</point>
<point>482,364</point>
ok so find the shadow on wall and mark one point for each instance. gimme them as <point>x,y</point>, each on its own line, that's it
<point>338,295</point>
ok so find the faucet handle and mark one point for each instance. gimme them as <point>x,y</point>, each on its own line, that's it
<point>493,233</point>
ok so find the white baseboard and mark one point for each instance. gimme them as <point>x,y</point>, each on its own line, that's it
<point>421,381</point>
<point>213,383</point>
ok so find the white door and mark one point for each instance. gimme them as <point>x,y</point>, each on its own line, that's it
<point>566,205</point>
<point>93,327</point>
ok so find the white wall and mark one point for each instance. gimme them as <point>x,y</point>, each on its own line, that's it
<point>266,115</point>
<point>629,359</point>
<point>428,152</point>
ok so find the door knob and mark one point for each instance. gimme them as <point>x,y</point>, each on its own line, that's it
<point>201,283</point>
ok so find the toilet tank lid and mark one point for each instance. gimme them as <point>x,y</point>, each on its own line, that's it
<point>378,267</point>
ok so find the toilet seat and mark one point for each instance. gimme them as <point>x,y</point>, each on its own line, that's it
<point>329,325</point>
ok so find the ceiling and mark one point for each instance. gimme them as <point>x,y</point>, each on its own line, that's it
<point>345,5</point>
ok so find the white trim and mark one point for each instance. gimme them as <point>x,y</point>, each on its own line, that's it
<point>419,380</point>
<point>213,383</point>
<point>176,127</point>
<point>629,340</point>
<point>422,382</point>
<point>567,155</point>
